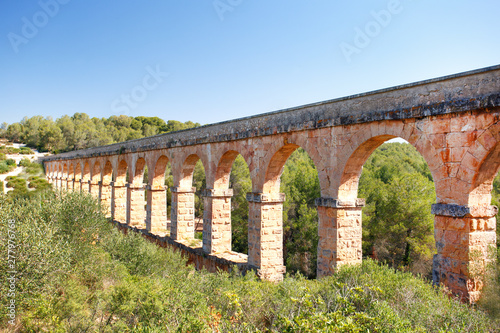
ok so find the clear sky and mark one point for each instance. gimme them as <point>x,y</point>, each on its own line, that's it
<point>209,61</point>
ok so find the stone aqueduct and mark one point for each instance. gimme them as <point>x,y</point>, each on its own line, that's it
<point>454,122</point>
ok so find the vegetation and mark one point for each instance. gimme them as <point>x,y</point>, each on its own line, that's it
<point>80,131</point>
<point>112,282</point>
<point>13,150</point>
<point>398,227</point>
<point>6,165</point>
<point>29,182</point>
<point>77,273</point>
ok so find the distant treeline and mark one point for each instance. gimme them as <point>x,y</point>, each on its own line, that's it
<point>80,131</point>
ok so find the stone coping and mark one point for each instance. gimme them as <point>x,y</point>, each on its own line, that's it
<point>336,203</point>
<point>454,210</point>
<point>266,197</point>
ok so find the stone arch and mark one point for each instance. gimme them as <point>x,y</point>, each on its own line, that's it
<point>353,166</point>
<point>275,167</point>
<point>157,178</point>
<point>107,173</point>
<point>71,171</point>
<point>484,158</point>
<point>64,170</point>
<point>121,173</point>
<point>96,172</point>
<point>86,171</point>
<point>224,169</point>
<point>78,171</point>
<point>140,167</point>
<point>349,180</point>
<point>186,174</point>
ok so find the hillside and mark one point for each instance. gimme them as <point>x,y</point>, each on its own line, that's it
<point>77,273</point>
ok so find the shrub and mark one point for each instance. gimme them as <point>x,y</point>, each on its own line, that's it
<point>78,273</point>
<point>26,151</point>
<point>32,168</point>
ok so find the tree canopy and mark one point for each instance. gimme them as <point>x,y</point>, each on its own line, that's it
<point>80,131</point>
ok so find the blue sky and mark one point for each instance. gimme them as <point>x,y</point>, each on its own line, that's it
<point>209,61</point>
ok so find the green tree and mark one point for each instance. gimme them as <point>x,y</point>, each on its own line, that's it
<point>200,183</point>
<point>14,132</point>
<point>300,183</point>
<point>398,225</point>
<point>241,184</point>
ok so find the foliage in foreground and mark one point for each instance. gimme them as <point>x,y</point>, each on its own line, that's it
<point>77,273</point>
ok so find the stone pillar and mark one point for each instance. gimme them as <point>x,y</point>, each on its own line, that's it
<point>156,209</point>
<point>105,193</point>
<point>136,212</point>
<point>85,186</point>
<point>118,202</point>
<point>217,220</point>
<point>94,188</point>
<point>58,183</point>
<point>265,235</point>
<point>182,213</point>
<point>80,185</point>
<point>63,183</point>
<point>466,242</point>
<point>340,232</point>
<point>71,184</point>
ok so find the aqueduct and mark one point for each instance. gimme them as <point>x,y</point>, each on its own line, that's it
<point>453,121</point>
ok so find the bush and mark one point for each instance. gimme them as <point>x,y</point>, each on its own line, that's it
<point>26,151</point>
<point>78,273</point>
<point>32,168</point>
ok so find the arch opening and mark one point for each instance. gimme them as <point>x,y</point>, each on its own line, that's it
<point>71,172</point>
<point>397,184</point>
<point>78,172</point>
<point>233,173</point>
<point>121,176</point>
<point>107,173</point>
<point>299,182</point>
<point>86,172</point>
